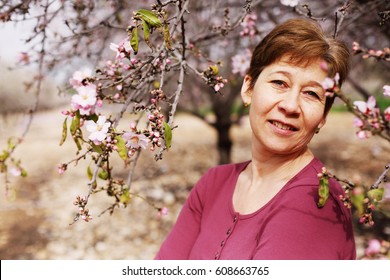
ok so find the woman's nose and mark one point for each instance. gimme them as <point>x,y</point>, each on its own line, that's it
<point>289,104</point>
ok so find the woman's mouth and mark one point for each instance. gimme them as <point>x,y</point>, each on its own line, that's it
<point>283,126</point>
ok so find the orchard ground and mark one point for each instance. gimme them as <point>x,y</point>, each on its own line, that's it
<point>35,218</point>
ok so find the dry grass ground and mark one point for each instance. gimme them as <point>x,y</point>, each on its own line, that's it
<point>35,225</point>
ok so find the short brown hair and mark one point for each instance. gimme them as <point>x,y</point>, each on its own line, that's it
<point>303,41</point>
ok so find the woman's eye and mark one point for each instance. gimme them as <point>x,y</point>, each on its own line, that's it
<point>312,93</point>
<point>278,83</point>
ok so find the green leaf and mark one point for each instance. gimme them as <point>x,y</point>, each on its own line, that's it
<point>122,151</point>
<point>125,197</point>
<point>23,173</point>
<point>358,202</point>
<point>376,194</point>
<point>214,69</point>
<point>148,16</point>
<point>134,40</point>
<point>3,167</point>
<point>64,131</point>
<point>146,29</point>
<point>77,142</point>
<point>167,135</point>
<point>97,148</point>
<point>4,156</point>
<point>323,191</point>
<point>89,172</point>
<point>93,117</point>
<point>167,37</point>
<point>11,144</point>
<point>103,174</point>
<point>75,123</point>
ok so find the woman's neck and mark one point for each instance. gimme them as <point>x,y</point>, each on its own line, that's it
<point>267,165</point>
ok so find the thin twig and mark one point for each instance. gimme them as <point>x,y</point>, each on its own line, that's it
<point>132,168</point>
<point>381,178</point>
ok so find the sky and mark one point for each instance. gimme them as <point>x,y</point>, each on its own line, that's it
<point>12,43</point>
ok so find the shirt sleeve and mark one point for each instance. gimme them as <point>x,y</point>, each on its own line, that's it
<point>297,229</point>
<point>179,243</point>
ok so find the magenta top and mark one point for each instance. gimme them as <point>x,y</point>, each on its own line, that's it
<point>289,226</point>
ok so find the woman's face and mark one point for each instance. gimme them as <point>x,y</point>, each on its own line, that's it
<point>287,106</point>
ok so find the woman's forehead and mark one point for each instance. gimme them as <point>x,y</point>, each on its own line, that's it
<point>299,61</point>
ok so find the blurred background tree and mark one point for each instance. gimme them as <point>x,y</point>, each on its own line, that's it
<point>69,35</point>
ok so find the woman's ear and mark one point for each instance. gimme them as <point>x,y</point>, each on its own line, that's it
<point>321,124</point>
<point>246,92</point>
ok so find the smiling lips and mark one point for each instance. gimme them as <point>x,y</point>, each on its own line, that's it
<point>283,126</point>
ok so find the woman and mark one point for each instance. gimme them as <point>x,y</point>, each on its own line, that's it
<point>266,208</point>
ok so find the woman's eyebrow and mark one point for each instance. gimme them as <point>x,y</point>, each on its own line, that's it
<point>314,83</point>
<point>289,75</point>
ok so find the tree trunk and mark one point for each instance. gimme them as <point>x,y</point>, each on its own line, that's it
<point>222,107</point>
<point>224,143</point>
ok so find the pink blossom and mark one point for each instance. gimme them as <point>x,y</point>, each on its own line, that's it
<point>357,122</point>
<point>337,78</point>
<point>249,26</point>
<point>387,114</point>
<point>363,134</point>
<point>328,83</point>
<point>85,99</point>
<point>24,58</point>
<point>355,46</point>
<point>366,107</point>
<point>121,49</point>
<point>241,62</point>
<point>98,130</point>
<point>115,48</point>
<point>15,171</point>
<point>84,214</point>
<point>163,211</point>
<point>324,66</point>
<point>386,195</point>
<point>79,76</point>
<point>133,126</point>
<point>133,61</point>
<point>99,103</point>
<point>135,140</point>
<point>374,247</point>
<point>218,86</point>
<point>290,3</point>
<point>386,90</point>
<point>61,168</point>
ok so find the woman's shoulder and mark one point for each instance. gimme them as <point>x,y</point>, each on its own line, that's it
<point>227,169</point>
<point>222,176</point>
<point>308,176</point>
<point>304,188</point>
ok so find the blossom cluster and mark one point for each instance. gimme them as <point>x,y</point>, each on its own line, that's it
<point>289,3</point>
<point>212,78</point>
<point>331,85</point>
<point>123,49</point>
<point>357,197</point>
<point>81,202</point>
<point>90,91</point>
<point>162,211</point>
<point>86,99</point>
<point>371,119</point>
<point>249,26</point>
<point>366,53</point>
<point>241,62</point>
<point>377,249</point>
<point>98,130</point>
<point>155,134</point>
